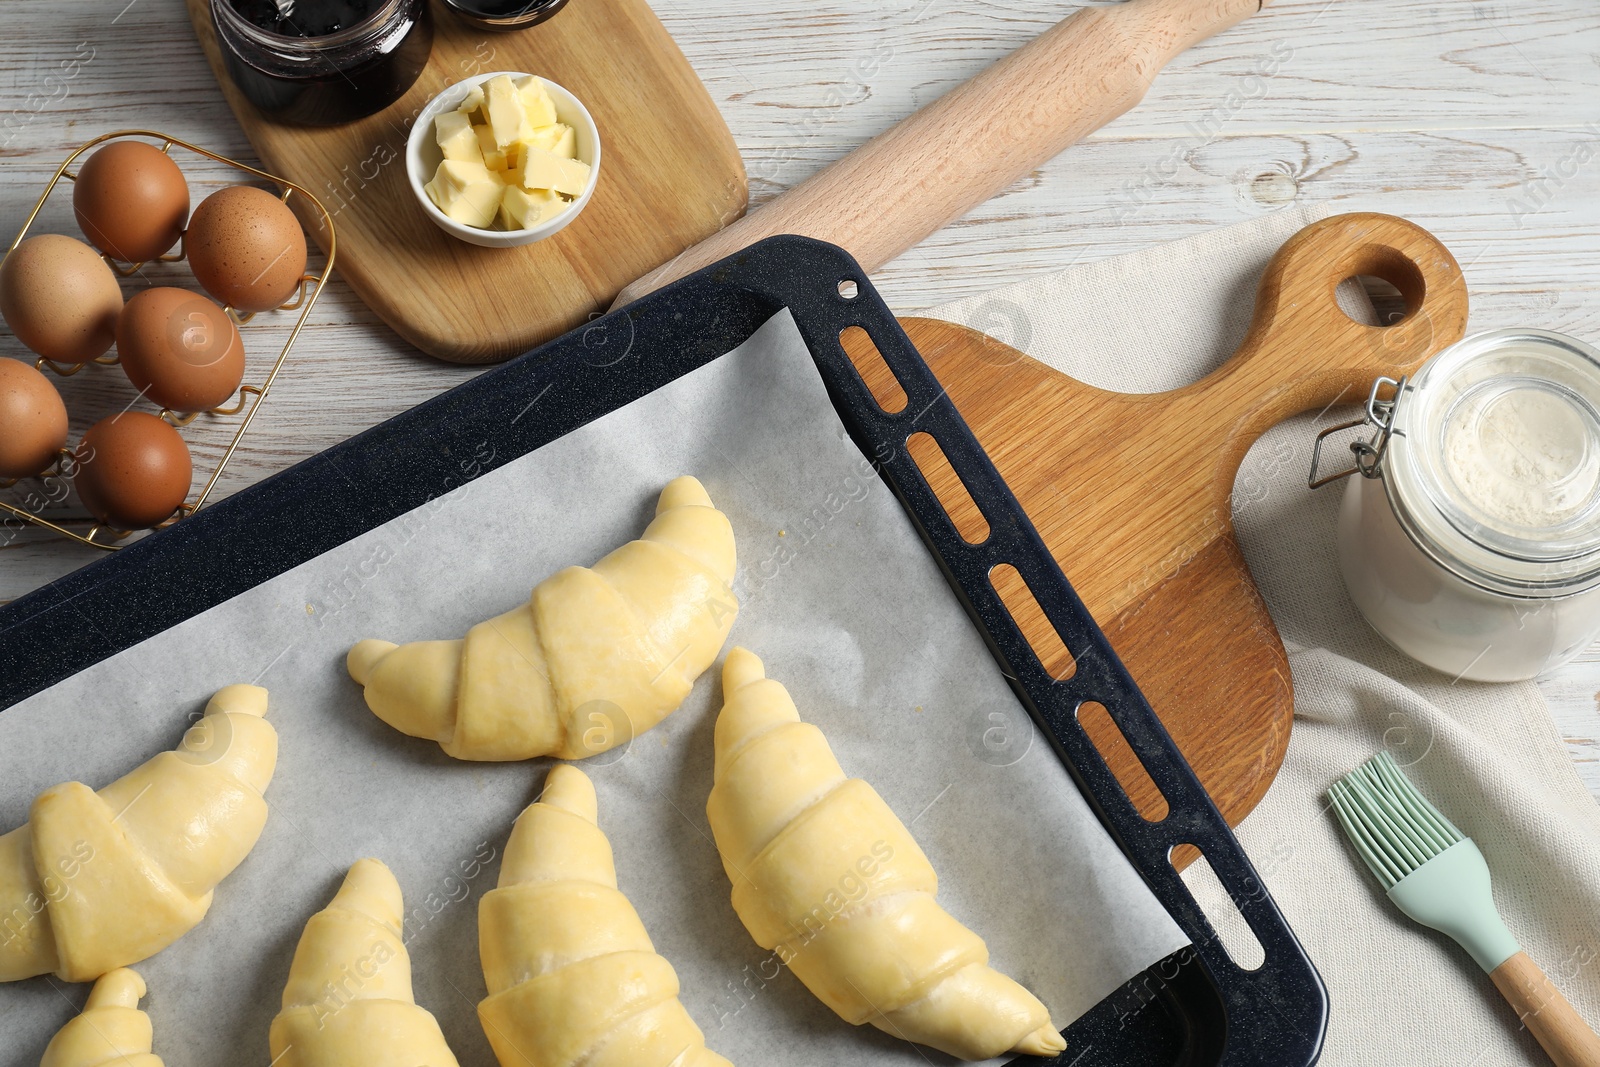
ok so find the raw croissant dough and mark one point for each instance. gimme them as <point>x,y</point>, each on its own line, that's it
<point>348,1000</point>
<point>826,874</point>
<point>596,656</point>
<point>96,881</point>
<point>111,1031</point>
<point>572,975</point>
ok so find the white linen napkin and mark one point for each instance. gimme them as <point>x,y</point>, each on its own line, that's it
<point>1487,755</point>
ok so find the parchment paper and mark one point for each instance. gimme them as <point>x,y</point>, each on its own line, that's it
<point>840,598</point>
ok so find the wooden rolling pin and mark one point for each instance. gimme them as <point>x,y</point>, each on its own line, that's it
<point>977,139</point>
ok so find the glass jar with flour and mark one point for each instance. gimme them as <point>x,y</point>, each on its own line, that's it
<point>1471,538</point>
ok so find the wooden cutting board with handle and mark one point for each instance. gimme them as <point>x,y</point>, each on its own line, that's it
<point>1132,493</point>
<point>670,176</point>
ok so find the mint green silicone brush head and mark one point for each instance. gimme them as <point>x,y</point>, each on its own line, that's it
<point>1433,872</point>
<point>1437,876</point>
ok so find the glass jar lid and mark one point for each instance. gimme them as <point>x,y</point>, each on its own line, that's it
<point>1493,463</point>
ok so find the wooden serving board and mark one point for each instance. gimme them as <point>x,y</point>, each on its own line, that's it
<point>1131,493</point>
<point>671,176</point>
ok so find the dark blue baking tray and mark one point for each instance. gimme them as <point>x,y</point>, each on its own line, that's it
<point>1195,1008</point>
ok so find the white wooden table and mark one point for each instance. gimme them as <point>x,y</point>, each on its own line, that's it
<point>1480,121</point>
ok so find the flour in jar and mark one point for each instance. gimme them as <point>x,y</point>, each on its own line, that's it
<point>1477,549</point>
<point>1521,452</point>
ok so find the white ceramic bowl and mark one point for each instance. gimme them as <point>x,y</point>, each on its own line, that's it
<point>423,157</point>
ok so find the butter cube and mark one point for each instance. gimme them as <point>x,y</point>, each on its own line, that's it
<point>546,170</point>
<point>521,209</point>
<point>566,145</point>
<point>472,104</point>
<point>536,102</point>
<point>453,131</point>
<point>467,192</point>
<point>502,107</point>
<point>557,138</point>
<point>495,157</point>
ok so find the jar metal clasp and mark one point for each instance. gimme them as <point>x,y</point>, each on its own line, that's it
<point>1379,414</point>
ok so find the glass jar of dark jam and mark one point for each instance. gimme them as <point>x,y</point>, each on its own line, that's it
<point>323,62</point>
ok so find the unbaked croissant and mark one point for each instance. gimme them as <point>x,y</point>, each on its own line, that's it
<point>110,1032</point>
<point>824,873</point>
<point>348,1000</point>
<point>572,975</point>
<point>596,655</point>
<point>97,881</point>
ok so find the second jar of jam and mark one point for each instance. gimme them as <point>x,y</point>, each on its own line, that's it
<point>323,62</point>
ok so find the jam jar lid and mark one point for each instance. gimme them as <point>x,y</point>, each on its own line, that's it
<point>1493,462</point>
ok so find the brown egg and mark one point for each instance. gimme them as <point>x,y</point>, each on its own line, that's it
<point>133,470</point>
<point>180,349</point>
<point>33,420</point>
<point>246,247</point>
<point>131,200</point>
<point>60,298</point>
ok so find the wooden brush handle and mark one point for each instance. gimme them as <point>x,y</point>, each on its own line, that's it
<point>977,139</point>
<point>1544,1011</point>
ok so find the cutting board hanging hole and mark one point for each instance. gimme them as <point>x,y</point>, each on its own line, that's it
<point>1384,288</point>
<point>1388,302</point>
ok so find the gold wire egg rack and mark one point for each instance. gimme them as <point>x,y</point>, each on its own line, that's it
<point>249,397</point>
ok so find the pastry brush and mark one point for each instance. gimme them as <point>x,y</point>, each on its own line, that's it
<point>1436,875</point>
